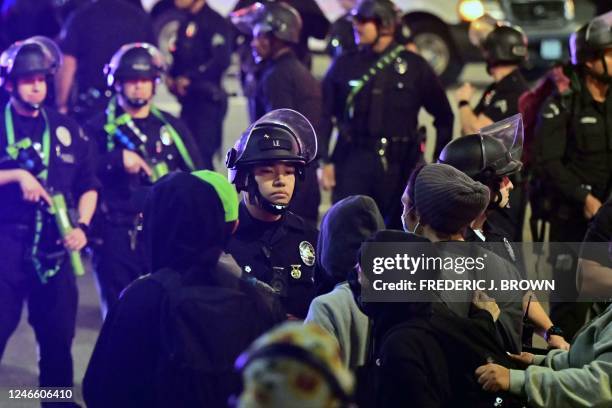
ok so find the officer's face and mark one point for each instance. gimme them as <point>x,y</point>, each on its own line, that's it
<point>505,186</point>
<point>365,31</point>
<point>32,88</point>
<point>141,88</point>
<point>261,46</point>
<point>276,182</point>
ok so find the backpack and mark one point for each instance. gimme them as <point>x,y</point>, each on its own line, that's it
<point>203,330</point>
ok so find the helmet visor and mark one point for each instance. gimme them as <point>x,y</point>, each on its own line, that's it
<point>599,30</point>
<point>480,29</point>
<point>246,18</point>
<point>52,52</point>
<point>291,120</point>
<point>510,133</point>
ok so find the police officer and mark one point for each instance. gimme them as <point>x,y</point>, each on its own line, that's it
<point>137,144</point>
<point>375,95</point>
<point>340,36</point>
<point>504,48</point>
<point>283,81</point>
<point>272,244</point>
<point>573,155</point>
<point>88,39</point>
<point>201,56</point>
<point>44,155</point>
<point>492,157</point>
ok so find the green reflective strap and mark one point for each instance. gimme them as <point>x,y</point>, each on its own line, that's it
<point>38,223</point>
<point>359,84</point>
<point>176,138</point>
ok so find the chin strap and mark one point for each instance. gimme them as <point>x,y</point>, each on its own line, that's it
<point>32,107</point>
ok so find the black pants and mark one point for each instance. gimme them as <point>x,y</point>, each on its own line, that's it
<point>360,170</point>
<point>52,308</point>
<point>570,226</point>
<point>116,264</point>
<point>205,121</point>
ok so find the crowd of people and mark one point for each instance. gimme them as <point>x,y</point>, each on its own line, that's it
<point>220,290</point>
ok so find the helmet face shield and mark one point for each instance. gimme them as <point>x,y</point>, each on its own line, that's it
<point>135,60</point>
<point>288,122</point>
<point>480,29</point>
<point>510,133</point>
<point>246,18</point>
<point>36,54</point>
<point>599,30</point>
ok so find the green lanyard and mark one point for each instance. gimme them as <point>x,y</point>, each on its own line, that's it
<point>357,85</point>
<point>46,149</point>
<point>113,123</point>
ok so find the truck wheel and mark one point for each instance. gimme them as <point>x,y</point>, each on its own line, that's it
<point>435,45</point>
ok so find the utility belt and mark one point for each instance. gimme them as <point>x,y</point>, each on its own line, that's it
<point>49,252</point>
<point>132,223</point>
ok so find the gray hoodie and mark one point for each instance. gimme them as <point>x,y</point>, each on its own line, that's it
<point>346,225</point>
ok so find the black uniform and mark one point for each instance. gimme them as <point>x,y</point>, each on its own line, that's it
<point>52,306</point>
<point>500,101</point>
<point>202,54</point>
<point>573,152</point>
<point>341,37</point>
<point>120,258</point>
<point>92,35</point>
<point>285,82</point>
<point>386,109</point>
<point>281,254</point>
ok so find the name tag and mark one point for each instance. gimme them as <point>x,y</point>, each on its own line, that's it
<point>588,119</point>
<point>67,158</point>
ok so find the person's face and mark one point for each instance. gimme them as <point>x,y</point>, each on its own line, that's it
<point>276,182</point>
<point>505,186</point>
<point>31,88</point>
<point>597,65</point>
<point>409,219</point>
<point>139,88</point>
<point>365,31</point>
<point>261,46</point>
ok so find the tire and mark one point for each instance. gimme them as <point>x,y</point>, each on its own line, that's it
<point>435,45</point>
<point>165,27</point>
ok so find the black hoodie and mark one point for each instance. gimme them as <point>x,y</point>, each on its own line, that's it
<point>186,233</point>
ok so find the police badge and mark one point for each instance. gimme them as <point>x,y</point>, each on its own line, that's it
<point>307,253</point>
<point>401,66</point>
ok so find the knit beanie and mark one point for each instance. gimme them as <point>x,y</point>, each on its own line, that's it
<point>448,200</point>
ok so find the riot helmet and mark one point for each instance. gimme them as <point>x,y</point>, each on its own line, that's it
<point>383,12</point>
<point>277,18</point>
<point>500,42</point>
<point>591,41</point>
<point>282,135</point>
<point>133,61</point>
<point>35,55</point>
<point>489,155</point>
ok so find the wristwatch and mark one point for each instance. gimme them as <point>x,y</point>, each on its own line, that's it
<point>553,331</point>
<point>84,227</point>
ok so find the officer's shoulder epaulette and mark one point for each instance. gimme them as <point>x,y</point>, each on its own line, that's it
<point>297,222</point>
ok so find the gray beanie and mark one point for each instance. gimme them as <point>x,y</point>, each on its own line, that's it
<point>447,199</point>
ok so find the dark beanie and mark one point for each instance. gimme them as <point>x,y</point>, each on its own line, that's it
<point>447,199</point>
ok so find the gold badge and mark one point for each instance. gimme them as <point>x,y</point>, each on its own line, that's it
<point>401,66</point>
<point>63,135</point>
<point>164,135</point>
<point>296,272</point>
<point>307,253</point>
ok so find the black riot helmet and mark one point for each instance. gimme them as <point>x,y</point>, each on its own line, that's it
<point>282,135</point>
<point>132,61</point>
<point>590,41</point>
<point>383,12</point>
<point>500,42</point>
<point>277,18</point>
<point>490,155</point>
<point>35,55</point>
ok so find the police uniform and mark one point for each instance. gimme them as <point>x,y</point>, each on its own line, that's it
<point>573,150</point>
<point>281,254</point>
<point>52,306</point>
<point>286,83</point>
<point>378,143</point>
<point>120,258</point>
<point>499,101</point>
<point>91,35</point>
<point>341,37</point>
<point>202,54</point>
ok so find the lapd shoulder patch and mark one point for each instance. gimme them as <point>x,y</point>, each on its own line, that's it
<point>307,253</point>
